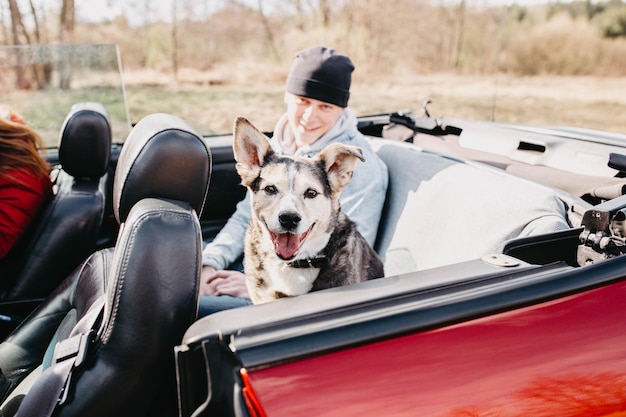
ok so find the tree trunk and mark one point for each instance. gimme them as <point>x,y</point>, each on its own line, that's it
<point>66,35</point>
<point>67,18</point>
<point>301,18</point>
<point>269,33</point>
<point>459,34</point>
<point>16,23</point>
<point>325,10</point>
<point>37,28</point>
<point>39,70</point>
<point>5,28</point>
<point>174,41</point>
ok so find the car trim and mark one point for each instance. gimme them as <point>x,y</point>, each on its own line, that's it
<point>272,335</point>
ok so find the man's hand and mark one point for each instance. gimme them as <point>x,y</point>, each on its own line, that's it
<point>223,282</point>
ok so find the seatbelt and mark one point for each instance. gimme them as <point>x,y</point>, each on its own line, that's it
<point>52,387</point>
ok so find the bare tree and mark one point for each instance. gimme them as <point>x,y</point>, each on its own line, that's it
<point>5,29</point>
<point>268,31</point>
<point>41,72</point>
<point>66,35</point>
<point>325,10</point>
<point>16,19</point>
<point>458,35</point>
<point>67,21</point>
<point>18,30</point>
<point>37,28</point>
<point>17,25</point>
<point>174,40</point>
<point>300,14</point>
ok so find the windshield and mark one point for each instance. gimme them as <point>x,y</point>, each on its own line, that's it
<point>42,82</point>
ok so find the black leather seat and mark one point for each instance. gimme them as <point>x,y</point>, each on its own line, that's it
<point>66,231</point>
<point>132,303</point>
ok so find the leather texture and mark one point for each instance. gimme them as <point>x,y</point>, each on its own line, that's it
<point>149,281</point>
<point>25,349</point>
<point>66,231</point>
<point>85,142</point>
<point>165,164</point>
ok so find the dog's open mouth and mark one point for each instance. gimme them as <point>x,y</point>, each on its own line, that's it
<point>288,244</point>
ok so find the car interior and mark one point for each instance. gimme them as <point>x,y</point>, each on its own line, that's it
<point>114,321</point>
<point>426,188</point>
<point>66,231</point>
<point>134,282</point>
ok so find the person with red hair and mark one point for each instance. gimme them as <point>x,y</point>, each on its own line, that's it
<point>25,185</point>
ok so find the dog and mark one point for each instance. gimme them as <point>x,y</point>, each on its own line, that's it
<point>298,240</point>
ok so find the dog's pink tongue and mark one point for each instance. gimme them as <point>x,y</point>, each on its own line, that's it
<point>287,245</point>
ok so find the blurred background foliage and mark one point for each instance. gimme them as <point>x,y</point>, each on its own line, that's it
<point>536,62</point>
<point>463,36</point>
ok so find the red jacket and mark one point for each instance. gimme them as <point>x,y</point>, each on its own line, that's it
<point>20,202</point>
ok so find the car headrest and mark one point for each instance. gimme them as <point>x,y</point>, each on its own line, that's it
<point>85,141</point>
<point>163,157</point>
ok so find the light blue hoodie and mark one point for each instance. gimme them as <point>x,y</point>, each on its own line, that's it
<point>362,199</point>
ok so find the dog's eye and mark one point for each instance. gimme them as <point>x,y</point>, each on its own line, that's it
<point>270,189</point>
<point>310,193</point>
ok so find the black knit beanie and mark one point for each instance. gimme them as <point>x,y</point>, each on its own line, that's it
<point>322,74</point>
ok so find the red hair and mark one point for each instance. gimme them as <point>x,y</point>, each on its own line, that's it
<point>19,148</point>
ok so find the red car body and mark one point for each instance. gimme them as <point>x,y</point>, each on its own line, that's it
<point>556,358</point>
<point>541,341</point>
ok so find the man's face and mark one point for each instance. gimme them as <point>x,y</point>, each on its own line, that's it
<point>310,119</point>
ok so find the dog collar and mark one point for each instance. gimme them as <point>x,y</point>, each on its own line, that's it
<point>317,262</point>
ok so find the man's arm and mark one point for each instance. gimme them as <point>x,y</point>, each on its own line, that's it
<point>228,244</point>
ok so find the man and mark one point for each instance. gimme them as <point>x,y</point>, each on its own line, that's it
<point>317,93</point>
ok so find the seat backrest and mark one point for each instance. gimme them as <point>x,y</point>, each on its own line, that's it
<point>441,210</point>
<point>65,233</point>
<point>134,301</point>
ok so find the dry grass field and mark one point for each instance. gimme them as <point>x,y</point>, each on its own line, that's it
<point>582,101</point>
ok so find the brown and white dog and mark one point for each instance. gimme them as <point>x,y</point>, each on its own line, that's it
<point>298,240</point>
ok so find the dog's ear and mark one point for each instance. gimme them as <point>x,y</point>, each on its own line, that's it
<point>250,147</point>
<point>339,161</point>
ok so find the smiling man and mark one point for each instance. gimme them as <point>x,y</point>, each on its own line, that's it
<point>317,94</point>
<point>310,119</point>
<point>318,89</point>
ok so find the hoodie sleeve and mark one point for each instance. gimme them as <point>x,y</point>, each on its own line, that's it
<point>228,244</point>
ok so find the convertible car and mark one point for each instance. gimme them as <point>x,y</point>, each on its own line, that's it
<point>503,291</point>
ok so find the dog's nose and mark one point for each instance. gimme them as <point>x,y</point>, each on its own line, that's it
<point>289,220</point>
